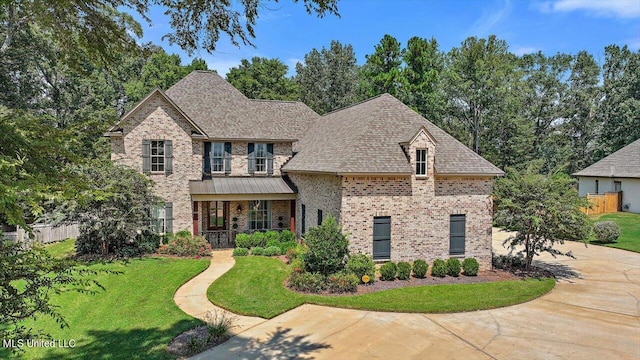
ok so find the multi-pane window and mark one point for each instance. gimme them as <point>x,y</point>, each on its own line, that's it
<point>217,157</point>
<point>216,215</point>
<point>421,162</point>
<point>259,214</point>
<point>261,157</point>
<point>157,155</point>
<point>158,217</point>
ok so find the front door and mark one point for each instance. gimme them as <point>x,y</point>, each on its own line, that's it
<point>381,237</point>
<point>217,215</point>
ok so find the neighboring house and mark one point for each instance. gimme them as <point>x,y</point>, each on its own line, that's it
<point>619,171</point>
<point>400,187</point>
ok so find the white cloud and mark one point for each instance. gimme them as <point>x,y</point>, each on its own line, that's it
<point>623,9</point>
<point>522,50</point>
<point>634,44</point>
<point>484,25</point>
<point>222,66</point>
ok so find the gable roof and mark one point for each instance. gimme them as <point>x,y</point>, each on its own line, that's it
<point>624,163</point>
<point>366,137</point>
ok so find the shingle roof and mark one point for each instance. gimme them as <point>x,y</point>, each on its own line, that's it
<point>366,137</point>
<point>240,185</point>
<point>624,163</point>
<point>223,112</point>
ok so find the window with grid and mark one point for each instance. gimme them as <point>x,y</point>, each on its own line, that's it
<point>259,214</point>
<point>261,157</point>
<point>421,162</point>
<point>217,157</point>
<point>157,155</point>
<point>158,217</point>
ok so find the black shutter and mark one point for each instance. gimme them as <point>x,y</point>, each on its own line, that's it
<point>207,158</point>
<point>168,157</point>
<point>168,217</point>
<point>251,165</point>
<point>227,158</point>
<point>457,234</point>
<point>269,159</point>
<point>319,217</point>
<point>381,237</point>
<point>303,218</point>
<point>146,156</point>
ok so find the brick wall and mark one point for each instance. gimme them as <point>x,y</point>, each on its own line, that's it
<point>239,157</point>
<point>316,192</point>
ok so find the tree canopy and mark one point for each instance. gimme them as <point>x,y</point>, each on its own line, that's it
<point>263,78</point>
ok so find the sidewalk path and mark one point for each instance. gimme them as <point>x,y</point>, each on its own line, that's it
<point>192,296</point>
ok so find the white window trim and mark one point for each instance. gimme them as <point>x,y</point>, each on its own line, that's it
<point>162,157</point>
<point>213,145</point>
<point>256,157</point>
<point>425,161</point>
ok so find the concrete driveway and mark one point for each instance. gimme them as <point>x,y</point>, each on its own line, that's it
<point>593,313</point>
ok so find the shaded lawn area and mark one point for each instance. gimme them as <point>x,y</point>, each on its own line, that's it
<point>629,224</point>
<point>62,249</point>
<point>255,286</point>
<point>135,318</point>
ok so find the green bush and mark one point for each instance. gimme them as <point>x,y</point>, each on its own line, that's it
<point>286,236</point>
<point>439,268</point>
<point>272,235</point>
<point>388,271</point>
<point>404,270</point>
<point>296,265</point>
<point>184,244</point>
<point>470,266</point>
<point>271,243</point>
<point>240,251</point>
<point>258,239</point>
<point>306,282</point>
<point>243,240</point>
<point>453,267</point>
<point>606,231</point>
<point>272,251</point>
<point>257,251</point>
<point>360,265</point>
<point>342,283</point>
<point>508,262</point>
<point>420,268</point>
<point>286,246</point>
<point>328,248</point>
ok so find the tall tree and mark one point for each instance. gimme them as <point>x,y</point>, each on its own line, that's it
<point>263,78</point>
<point>328,79</point>
<point>382,72</point>
<point>620,109</point>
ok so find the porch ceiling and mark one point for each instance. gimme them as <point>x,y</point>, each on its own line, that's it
<point>241,188</point>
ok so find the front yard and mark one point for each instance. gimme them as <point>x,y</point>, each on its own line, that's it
<point>135,318</point>
<point>255,287</point>
<point>629,224</point>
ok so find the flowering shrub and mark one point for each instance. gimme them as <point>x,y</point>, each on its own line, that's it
<point>342,282</point>
<point>306,282</point>
<point>185,244</point>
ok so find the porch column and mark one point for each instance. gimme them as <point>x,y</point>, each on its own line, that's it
<point>195,218</point>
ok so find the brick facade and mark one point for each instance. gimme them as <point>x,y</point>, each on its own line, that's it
<point>316,192</point>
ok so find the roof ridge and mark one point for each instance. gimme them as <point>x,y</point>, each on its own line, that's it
<point>276,100</point>
<point>358,103</point>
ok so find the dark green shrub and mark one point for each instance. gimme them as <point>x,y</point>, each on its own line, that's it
<point>508,262</point>
<point>243,240</point>
<point>306,282</point>
<point>420,268</point>
<point>404,270</point>
<point>272,251</point>
<point>342,283</point>
<point>258,239</point>
<point>453,267</point>
<point>184,244</point>
<point>470,266</point>
<point>388,271</point>
<point>328,248</point>
<point>271,243</point>
<point>606,231</point>
<point>286,246</point>
<point>272,236</point>
<point>240,251</point>
<point>360,265</point>
<point>439,268</point>
<point>257,251</point>
<point>287,235</point>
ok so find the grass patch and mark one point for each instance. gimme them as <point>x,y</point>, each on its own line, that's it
<point>255,286</point>
<point>135,318</point>
<point>629,224</point>
<point>62,249</point>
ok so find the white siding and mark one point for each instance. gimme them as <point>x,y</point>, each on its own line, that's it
<point>630,189</point>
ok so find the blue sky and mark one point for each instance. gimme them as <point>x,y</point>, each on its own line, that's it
<point>285,31</point>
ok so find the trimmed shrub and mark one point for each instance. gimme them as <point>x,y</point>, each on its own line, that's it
<point>258,239</point>
<point>470,267</point>
<point>184,244</point>
<point>272,251</point>
<point>286,246</point>
<point>240,251</point>
<point>388,271</point>
<point>360,265</point>
<point>420,268</point>
<point>404,270</point>
<point>297,252</point>
<point>508,262</point>
<point>272,236</point>
<point>243,240</point>
<point>606,231</point>
<point>271,243</point>
<point>307,282</point>
<point>287,235</point>
<point>342,283</point>
<point>328,248</point>
<point>453,267</point>
<point>257,251</point>
<point>439,268</point>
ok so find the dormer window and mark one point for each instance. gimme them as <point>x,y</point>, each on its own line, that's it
<point>421,162</point>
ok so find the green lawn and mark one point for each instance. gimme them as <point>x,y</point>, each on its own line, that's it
<point>629,224</point>
<point>254,286</point>
<point>62,249</point>
<point>135,318</point>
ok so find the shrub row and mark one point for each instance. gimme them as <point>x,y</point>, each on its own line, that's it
<point>184,244</point>
<point>316,283</point>
<point>402,270</point>
<point>266,239</point>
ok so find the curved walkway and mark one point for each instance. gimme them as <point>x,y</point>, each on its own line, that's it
<point>192,296</point>
<point>593,313</point>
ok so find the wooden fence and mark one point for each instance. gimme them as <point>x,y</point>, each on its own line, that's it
<point>604,203</point>
<point>43,233</point>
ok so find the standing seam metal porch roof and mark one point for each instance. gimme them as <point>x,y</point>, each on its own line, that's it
<point>240,185</point>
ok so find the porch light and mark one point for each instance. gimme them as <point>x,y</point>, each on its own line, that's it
<point>239,208</point>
